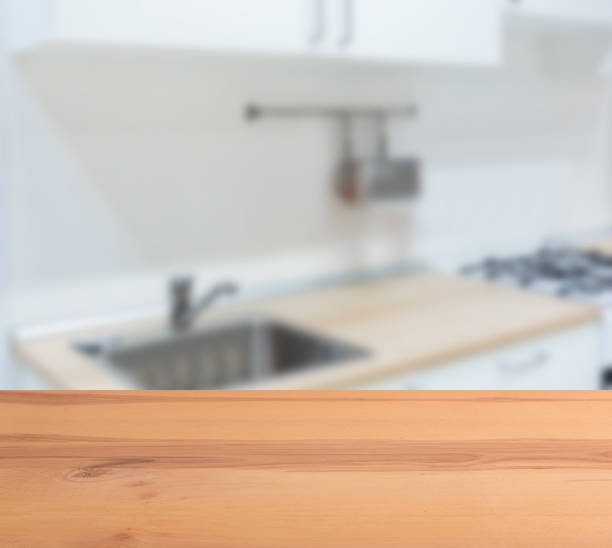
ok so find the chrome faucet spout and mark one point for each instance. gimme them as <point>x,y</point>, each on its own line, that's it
<point>183,311</point>
<point>223,288</point>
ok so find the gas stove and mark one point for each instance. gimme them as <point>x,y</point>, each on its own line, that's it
<point>580,275</point>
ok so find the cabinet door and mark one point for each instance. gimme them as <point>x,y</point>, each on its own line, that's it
<point>476,373</point>
<point>529,368</point>
<point>437,31</point>
<point>586,11</point>
<point>568,360</point>
<point>274,25</point>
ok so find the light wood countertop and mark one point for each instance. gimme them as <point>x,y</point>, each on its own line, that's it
<point>407,322</point>
<point>304,469</point>
<point>601,245</point>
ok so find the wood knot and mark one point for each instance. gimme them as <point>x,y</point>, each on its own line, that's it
<point>80,474</point>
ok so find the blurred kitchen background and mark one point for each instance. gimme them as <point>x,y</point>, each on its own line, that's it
<point>402,194</point>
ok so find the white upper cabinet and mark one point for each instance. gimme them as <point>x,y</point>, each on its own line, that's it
<point>438,31</point>
<point>282,26</point>
<point>277,25</point>
<point>573,11</point>
<point>567,38</point>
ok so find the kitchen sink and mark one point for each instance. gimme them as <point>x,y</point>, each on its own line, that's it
<point>218,357</point>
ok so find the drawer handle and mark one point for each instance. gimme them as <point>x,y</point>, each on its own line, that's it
<point>520,367</point>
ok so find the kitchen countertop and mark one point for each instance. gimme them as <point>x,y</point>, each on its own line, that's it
<point>407,322</point>
<point>304,469</point>
<point>601,245</point>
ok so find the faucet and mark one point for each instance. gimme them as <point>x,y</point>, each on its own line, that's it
<point>183,311</point>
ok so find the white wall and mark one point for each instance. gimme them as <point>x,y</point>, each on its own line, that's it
<point>123,167</point>
<point>6,372</point>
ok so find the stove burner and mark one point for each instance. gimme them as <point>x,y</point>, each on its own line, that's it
<point>565,272</point>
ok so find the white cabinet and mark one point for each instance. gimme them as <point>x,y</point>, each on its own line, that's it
<point>575,11</point>
<point>281,25</point>
<point>432,31</point>
<point>559,38</point>
<point>447,31</point>
<point>568,360</point>
<point>261,25</point>
<point>415,31</point>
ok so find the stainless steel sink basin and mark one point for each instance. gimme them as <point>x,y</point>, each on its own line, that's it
<point>223,356</point>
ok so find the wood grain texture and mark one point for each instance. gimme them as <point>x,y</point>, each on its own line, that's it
<point>407,322</point>
<point>304,469</point>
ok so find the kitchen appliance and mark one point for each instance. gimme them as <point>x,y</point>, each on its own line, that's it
<point>570,273</point>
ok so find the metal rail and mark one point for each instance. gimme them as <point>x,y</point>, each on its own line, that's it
<point>254,111</point>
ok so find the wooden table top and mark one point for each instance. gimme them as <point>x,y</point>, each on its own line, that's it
<point>304,469</point>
